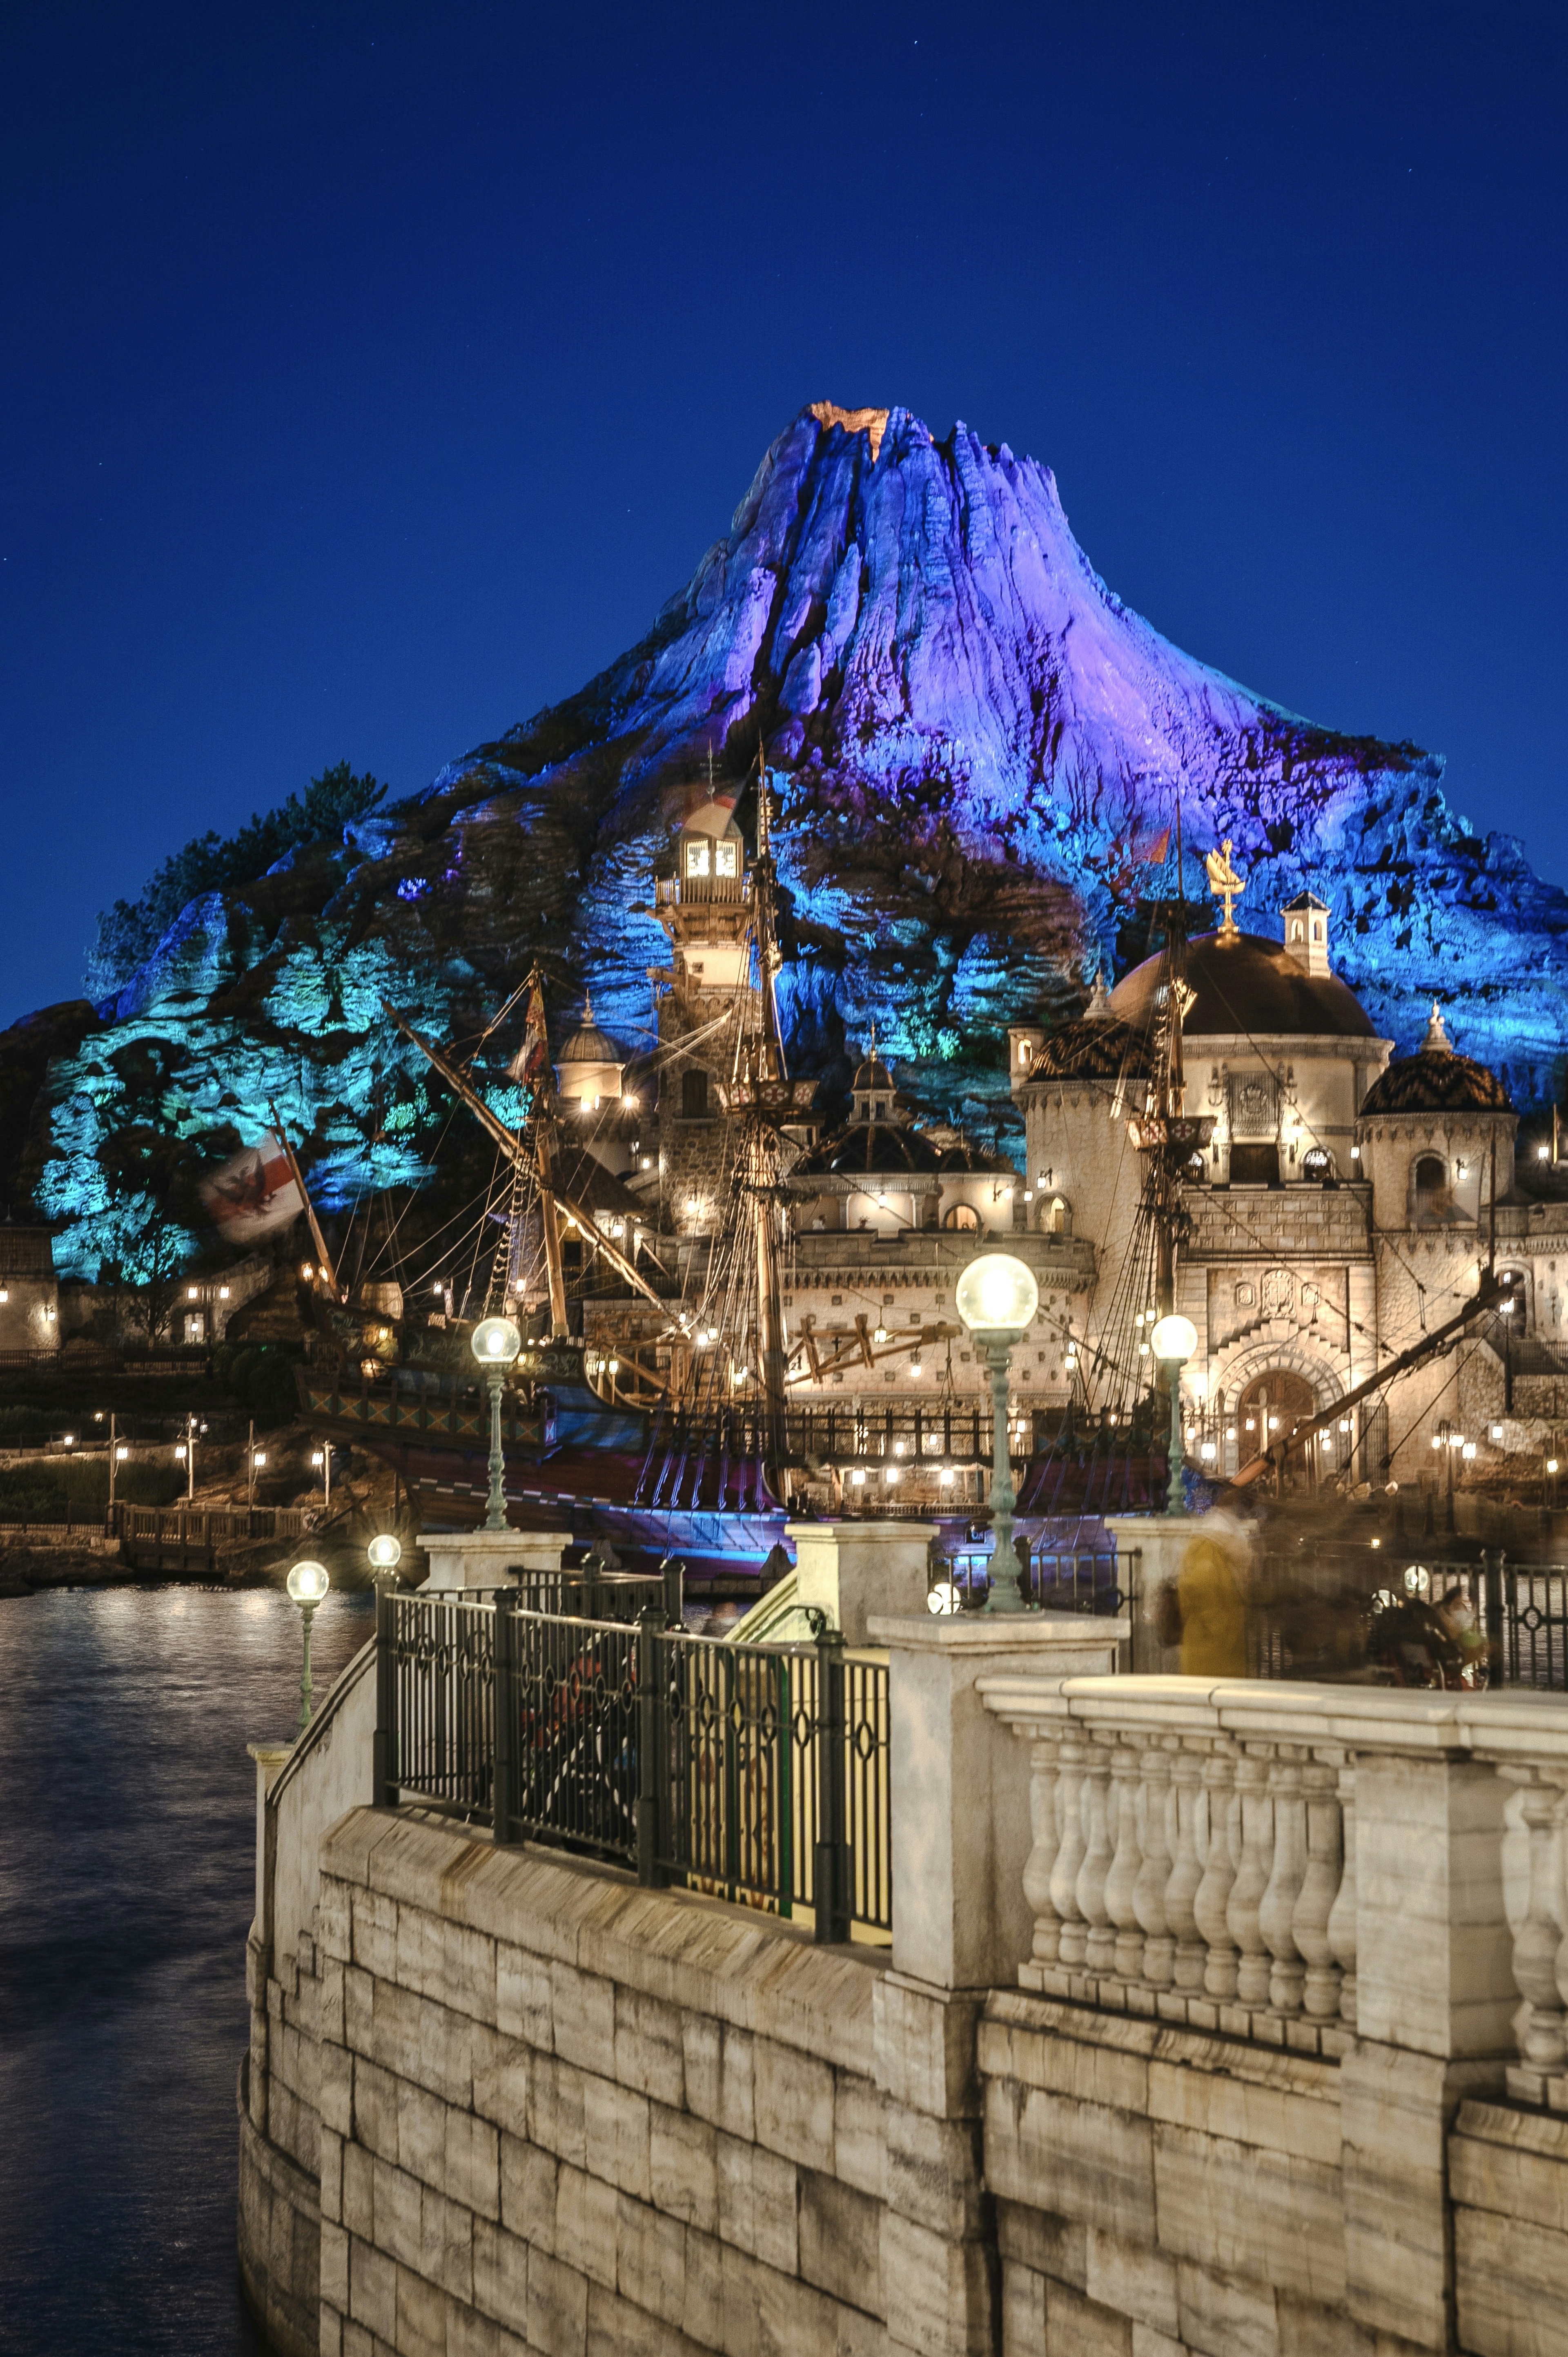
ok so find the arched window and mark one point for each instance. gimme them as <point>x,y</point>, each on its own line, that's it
<point>1434,1195</point>
<point>962,1215</point>
<point>1056,1216</point>
<point>1297,933</point>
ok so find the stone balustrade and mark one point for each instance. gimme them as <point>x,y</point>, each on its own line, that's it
<point>1297,1866</point>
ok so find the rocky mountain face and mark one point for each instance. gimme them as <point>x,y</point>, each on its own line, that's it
<point>977,746</point>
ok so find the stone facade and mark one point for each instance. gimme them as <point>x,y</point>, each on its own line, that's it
<point>1219,2018</point>
<point>558,2113</point>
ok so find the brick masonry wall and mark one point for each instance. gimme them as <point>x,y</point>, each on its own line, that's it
<point>561,2113</point>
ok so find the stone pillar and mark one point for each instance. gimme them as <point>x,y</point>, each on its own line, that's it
<point>1160,1541</point>
<point>1434,2000</point>
<point>961,1829</point>
<point>850,1570</point>
<point>488,1558</point>
<point>269,1759</point>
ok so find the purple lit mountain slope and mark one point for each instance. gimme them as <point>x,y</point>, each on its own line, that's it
<point>979,734</point>
<point>973,736</point>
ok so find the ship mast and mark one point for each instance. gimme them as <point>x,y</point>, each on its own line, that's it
<point>762,1156</point>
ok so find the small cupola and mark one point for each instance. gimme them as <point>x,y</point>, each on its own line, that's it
<point>1306,933</point>
<point>873,1091</point>
<point>592,1065</point>
<point>710,855</point>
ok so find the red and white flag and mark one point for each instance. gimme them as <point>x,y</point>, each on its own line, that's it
<point>530,1065</point>
<point>253,1193</point>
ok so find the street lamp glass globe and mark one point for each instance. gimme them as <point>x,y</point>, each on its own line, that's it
<point>495,1342</point>
<point>385,1552</point>
<point>943,1597</point>
<point>996,1295</point>
<point>1174,1340</point>
<point>308,1583</point>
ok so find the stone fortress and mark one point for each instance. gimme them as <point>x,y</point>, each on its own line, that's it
<point>1344,1208</point>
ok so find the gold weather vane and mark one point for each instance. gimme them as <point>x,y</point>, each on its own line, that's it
<point>1224,885</point>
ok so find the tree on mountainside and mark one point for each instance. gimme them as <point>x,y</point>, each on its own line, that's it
<point>130,931</point>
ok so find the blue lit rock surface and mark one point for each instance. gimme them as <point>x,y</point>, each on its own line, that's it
<point>974,738</point>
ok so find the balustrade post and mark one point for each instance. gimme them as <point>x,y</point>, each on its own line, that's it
<point>1256,1809</point>
<point>1342,1914</point>
<point>652,1747</point>
<point>1212,1898</point>
<point>1073,1939</point>
<point>1043,1856</point>
<point>1155,1873</point>
<point>1543,2043</point>
<point>384,1746</point>
<point>1187,1872</point>
<point>1276,1912</point>
<point>503,1693</point>
<point>1100,1948</point>
<point>1319,1889</point>
<point>1121,1882</point>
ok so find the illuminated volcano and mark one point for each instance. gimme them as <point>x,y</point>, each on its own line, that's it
<point>979,746</point>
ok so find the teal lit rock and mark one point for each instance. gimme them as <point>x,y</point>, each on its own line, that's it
<point>974,741</point>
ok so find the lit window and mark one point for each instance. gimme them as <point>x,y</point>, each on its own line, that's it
<point>697,858</point>
<point>727,859</point>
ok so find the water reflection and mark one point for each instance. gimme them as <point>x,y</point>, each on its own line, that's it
<point>127,1816</point>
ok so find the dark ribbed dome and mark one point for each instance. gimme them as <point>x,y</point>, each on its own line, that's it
<point>873,1074</point>
<point>1093,1048</point>
<point>1435,1080</point>
<point>1242,983</point>
<point>878,1147</point>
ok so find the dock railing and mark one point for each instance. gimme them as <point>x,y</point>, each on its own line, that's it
<point>755,1773</point>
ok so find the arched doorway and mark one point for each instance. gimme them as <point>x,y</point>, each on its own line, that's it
<point>1267,1410</point>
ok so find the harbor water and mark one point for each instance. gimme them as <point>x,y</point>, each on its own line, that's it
<point>127,1842</point>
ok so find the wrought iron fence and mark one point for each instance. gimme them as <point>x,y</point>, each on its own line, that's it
<point>754,1772</point>
<point>1419,1619</point>
<point>588,1593</point>
<point>1056,1579</point>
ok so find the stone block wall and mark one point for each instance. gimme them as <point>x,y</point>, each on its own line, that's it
<point>560,2114</point>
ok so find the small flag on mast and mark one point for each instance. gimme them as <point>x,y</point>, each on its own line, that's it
<point>253,1193</point>
<point>530,1066</point>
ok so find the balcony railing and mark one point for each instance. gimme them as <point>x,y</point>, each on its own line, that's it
<point>752,1772</point>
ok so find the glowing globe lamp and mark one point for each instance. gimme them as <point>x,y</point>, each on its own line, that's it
<point>495,1342</point>
<point>307,1584</point>
<point>385,1552</point>
<point>1175,1339</point>
<point>996,1297</point>
<point>997,1294</point>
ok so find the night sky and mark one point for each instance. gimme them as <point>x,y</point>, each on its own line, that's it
<point>371,375</point>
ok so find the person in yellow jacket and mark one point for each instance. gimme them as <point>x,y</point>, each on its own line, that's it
<point>1211,1588</point>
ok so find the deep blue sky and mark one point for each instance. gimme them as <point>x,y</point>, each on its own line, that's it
<point>371,373</point>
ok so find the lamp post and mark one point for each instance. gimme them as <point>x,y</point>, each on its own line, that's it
<point>496,1344</point>
<point>996,1297</point>
<point>1174,1341</point>
<point>307,1584</point>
